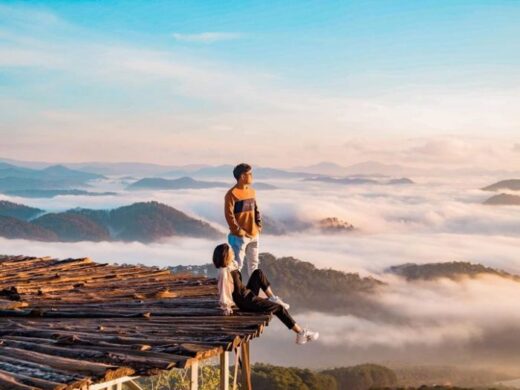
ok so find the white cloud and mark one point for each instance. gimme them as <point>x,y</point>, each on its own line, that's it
<point>435,221</point>
<point>207,37</point>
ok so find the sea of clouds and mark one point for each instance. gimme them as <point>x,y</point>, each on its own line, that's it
<point>434,220</point>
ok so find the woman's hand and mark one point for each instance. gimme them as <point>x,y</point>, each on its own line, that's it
<point>227,311</point>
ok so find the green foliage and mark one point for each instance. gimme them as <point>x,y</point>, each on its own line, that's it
<point>452,270</point>
<point>17,210</point>
<point>143,221</point>
<point>177,379</point>
<point>72,227</point>
<point>363,377</point>
<point>268,377</point>
<point>11,227</point>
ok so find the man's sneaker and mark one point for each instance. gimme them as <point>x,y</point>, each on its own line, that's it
<point>277,299</point>
<point>306,335</point>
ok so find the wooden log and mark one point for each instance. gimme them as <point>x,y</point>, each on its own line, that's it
<point>98,370</point>
<point>36,382</point>
<point>8,382</point>
<point>43,371</point>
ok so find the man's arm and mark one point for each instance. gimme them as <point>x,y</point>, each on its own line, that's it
<point>258,216</point>
<point>229,205</point>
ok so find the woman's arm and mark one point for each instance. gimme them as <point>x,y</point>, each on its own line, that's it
<point>225,289</point>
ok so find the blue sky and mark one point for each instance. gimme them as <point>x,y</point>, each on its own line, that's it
<point>176,82</point>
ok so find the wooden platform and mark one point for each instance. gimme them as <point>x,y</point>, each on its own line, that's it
<point>66,324</point>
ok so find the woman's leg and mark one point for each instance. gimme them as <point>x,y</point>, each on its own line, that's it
<point>258,280</point>
<point>257,304</point>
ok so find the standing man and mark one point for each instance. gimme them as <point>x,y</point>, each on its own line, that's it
<point>243,218</point>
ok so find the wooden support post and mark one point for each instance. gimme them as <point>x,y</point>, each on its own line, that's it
<point>194,375</point>
<point>246,367</point>
<point>133,385</point>
<point>224,371</point>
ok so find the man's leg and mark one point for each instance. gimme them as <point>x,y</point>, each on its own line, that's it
<point>239,249</point>
<point>252,255</point>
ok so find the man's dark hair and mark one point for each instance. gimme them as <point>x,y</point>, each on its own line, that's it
<point>220,254</point>
<point>241,168</point>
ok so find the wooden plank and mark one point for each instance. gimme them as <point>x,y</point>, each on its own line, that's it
<point>130,317</point>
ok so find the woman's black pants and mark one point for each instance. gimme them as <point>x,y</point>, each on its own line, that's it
<point>252,302</point>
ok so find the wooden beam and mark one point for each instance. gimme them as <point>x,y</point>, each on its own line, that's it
<point>194,375</point>
<point>116,384</point>
<point>246,367</point>
<point>224,370</point>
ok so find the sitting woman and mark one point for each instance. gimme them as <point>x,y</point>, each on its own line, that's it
<point>233,292</point>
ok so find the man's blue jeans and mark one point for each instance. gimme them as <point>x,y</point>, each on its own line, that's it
<point>246,251</point>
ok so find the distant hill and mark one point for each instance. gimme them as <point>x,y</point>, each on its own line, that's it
<point>264,186</point>
<point>403,180</point>
<point>54,172</point>
<point>56,177</point>
<point>345,180</point>
<point>306,287</point>
<point>269,377</point>
<point>53,193</point>
<point>358,180</point>
<point>143,221</point>
<point>429,375</point>
<point>71,227</point>
<point>184,182</point>
<point>503,200</point>
<point>327,225</point>
<point>363,377</point>
<point>226,171</point>
<point>512,184</point>
<point>62,172</point>
<point>19,211</point>
<point>148,221</point>
<point>272,226</point>
<point>335,225</point>
<point>371,168</point>
<point>11,227</point>
<point>452,270</point>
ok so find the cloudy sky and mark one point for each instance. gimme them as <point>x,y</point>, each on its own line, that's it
<point>275,83</point>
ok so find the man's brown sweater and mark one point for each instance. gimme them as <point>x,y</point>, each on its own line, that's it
<point>241,211</point>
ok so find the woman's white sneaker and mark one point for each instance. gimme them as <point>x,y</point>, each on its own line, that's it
<point>306,335</point>
<point>277,299</point>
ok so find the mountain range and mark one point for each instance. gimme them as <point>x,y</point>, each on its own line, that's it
<point>142,221</point>
<point>15,179</point>
<point>358,180</point>
<point>364,168</point>
<point>185,182</point>
<point>503,200</point>
<point>452,270</point>
<point>308,288</point>
<point>511,184</point>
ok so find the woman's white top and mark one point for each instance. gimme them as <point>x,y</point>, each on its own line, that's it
<point>226,286</point>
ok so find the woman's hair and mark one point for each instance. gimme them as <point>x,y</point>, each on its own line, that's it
<point>220,255</point>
